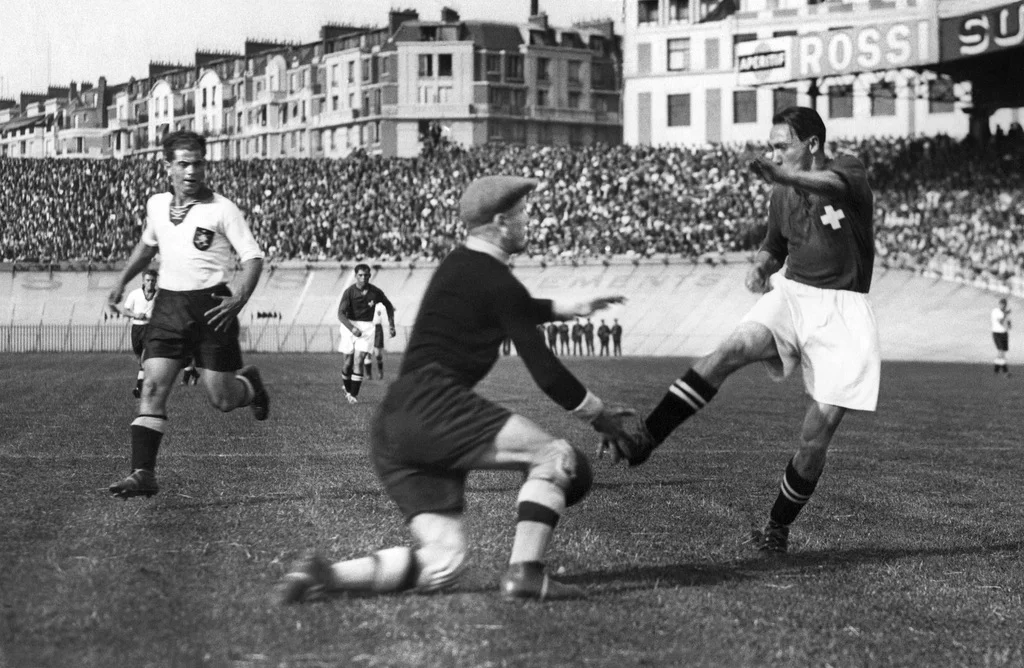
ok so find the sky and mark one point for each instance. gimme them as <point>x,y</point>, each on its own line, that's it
<point>54,42</point>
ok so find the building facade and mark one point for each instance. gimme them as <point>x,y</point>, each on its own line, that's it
<point>388,91</point>
<point>703,71</point>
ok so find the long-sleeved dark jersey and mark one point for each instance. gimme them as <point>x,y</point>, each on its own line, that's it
<point>355,305</point>
<point>472,302</point>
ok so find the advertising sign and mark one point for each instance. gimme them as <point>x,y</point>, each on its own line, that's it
<point>867,48</point>
<point>994,29</point>
<point>879,46</point>
<point>764,61</point>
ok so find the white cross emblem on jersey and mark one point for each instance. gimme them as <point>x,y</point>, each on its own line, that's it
<point>832,217</point>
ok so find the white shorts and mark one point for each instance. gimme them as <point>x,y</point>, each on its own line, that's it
<point>831,334</point>
<point>362,343</point>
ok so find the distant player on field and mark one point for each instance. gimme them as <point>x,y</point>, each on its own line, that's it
<point>380,314</point>
<point>194,314</point>
<point>138,306</point>
<point>816,316</point>
<point>432,429</point>
<point>355,313</point>
<point>1001,335</point>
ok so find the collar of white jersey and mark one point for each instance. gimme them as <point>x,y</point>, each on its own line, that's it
<point>481,246</point>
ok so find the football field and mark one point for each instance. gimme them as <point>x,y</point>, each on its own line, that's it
<point>909,554</point>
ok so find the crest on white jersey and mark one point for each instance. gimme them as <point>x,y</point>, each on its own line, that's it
<point>202,239</point>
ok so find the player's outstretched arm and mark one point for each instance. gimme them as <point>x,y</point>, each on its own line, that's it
<point>140,258</point>
<point>567,310</point>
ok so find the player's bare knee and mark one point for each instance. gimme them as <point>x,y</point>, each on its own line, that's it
<point>566,467</point>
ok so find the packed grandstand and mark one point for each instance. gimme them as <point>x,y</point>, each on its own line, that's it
<point>942,205</point>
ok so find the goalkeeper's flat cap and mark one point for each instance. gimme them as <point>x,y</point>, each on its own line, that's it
<point>488,196</point>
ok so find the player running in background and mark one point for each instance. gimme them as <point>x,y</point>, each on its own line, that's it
<point>194,314</point>
<point>815,316</point>
<point>1001,335</point>
<point>355,313</point>
<point>432,429</point>
<point>138,306</point>
<point>380,314</point>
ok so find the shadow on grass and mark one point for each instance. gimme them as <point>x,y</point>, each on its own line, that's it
<point>814,563</point>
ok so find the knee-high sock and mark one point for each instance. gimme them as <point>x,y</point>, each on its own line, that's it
<point>794,493</point>
<point>540,505</point>
<point>684,398</point>
<point>392,570</point>
<point>147,432</point>
<point>355,382</point>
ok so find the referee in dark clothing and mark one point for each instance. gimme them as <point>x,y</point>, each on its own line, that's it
<point>432,429</point>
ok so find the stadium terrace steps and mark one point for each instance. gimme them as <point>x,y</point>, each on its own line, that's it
<point>678,309</point>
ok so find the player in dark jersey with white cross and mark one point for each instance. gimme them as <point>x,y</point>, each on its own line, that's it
<point>815,315</point>
<point>432,429</point>
<point>355,312</point>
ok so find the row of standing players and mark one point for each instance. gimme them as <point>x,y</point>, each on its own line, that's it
<point>431,429</point>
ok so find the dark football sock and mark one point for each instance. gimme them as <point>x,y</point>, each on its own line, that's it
<point>347,382</point>
<point>355,383</point>
<point>794,493</point>
<point>147,432</point>
<point>684,398</point>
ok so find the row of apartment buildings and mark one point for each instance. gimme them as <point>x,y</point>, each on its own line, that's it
<point>385,90</point>
<point>683,72</point>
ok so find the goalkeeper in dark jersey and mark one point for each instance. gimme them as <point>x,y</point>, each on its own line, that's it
<point>432,429</point>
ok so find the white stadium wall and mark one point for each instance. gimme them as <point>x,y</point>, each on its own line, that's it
<point>679,309</point>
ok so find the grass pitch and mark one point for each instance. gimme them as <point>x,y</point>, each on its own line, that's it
<point>909,554</point>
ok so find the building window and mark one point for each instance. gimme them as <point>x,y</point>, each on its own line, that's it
<point>426,61</point>
<point>647,11</point>
<point>366,68</point>
<point>783,98</point>
<point>385,66</point>
<point>575,97</point>
<point>744,106</point>
<point>542,98</point>
<point>334,103</point>
<point>514,68</point>
<point>575,72</point>
<point>883,99</point>
<point>444,64</point>
<point>678,10</point>
<point>543,64</point>
<point>840,102</point>
<point>334,74</point>
<point>492,64</point>
<point>351,71</point>
<point>941,98</point>
<point>679,110</point>
<point>204,98</point>
<point>679,54</point>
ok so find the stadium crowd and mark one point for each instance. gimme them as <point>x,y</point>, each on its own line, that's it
<point>943,205</point>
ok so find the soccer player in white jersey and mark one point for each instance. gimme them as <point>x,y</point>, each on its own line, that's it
<point>138,306</point>
<point>196,232</point>
<point>1001,335</point>
<point>380,315</point>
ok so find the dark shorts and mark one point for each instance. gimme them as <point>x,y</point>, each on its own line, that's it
<point>138,339</point>
<point>178,330</point>
<point>1002,340</point>
<point>378,336</point>
<point>425,437</point>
